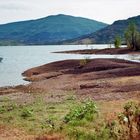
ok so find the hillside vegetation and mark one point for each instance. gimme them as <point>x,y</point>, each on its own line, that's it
<point>48,30</point>
<point>107,34</point>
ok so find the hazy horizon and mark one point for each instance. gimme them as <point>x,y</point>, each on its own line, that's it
<point>106,11</point>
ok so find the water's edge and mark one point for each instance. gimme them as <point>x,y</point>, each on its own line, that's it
<point>17,59</point>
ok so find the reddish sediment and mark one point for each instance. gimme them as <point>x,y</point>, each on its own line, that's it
<point>111,51</point>
<point>101,79</point>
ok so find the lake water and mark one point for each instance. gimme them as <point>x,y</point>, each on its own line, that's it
<point>17,59</point>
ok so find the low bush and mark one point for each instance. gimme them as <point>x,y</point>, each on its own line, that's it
<point>129,119</point>
<point>26,113</point>
<point>87,111</point>
<point>84,61</point>
<point>128,123</point>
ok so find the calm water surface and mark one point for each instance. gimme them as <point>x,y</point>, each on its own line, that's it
<point>17,59</point>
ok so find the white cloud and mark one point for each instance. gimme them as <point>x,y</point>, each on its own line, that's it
<point>102,10</point>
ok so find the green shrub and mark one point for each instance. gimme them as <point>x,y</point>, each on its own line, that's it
<point>127,125</point>
<point>117,42</point>
<point>26,113</point>
<point>130,118</point>
<point>87,110</point>
<point>2,109</point>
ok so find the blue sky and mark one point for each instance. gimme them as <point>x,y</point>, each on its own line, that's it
<point>102,10</point>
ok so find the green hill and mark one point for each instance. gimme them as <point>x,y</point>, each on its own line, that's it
<point>107,34</point>
<point>48,30</point>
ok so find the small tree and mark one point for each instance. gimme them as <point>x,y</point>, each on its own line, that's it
<point>132,37</point>
<point>117,42</point>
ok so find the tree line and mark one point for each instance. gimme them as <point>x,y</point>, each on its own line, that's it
<point>132,38</point>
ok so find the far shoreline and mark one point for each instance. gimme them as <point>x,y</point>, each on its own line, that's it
<point>109,51</point>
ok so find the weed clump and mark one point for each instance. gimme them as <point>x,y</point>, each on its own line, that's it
<point>128,123</point>
<point>129,119</point>
<point>26,113</point>
<point>84,61</point>
<point>7,107</point>
<point>87,111</point>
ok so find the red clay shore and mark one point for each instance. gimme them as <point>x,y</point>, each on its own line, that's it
<point>101,79</point>
<point>110,51</point>
<point>111,81</point>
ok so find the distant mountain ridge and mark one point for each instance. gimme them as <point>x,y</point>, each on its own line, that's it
<point>48,30</point>
<point>107,34</point>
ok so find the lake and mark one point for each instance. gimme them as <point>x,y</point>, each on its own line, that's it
<point>17,59</point>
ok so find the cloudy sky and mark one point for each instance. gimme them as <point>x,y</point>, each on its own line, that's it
<point>101,10</point>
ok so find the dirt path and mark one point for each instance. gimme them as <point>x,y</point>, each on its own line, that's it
<point>7,133</point>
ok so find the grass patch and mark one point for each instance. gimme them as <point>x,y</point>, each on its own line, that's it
<point>74,119</point>
<point>37,117</point>
<point>87,111</point>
